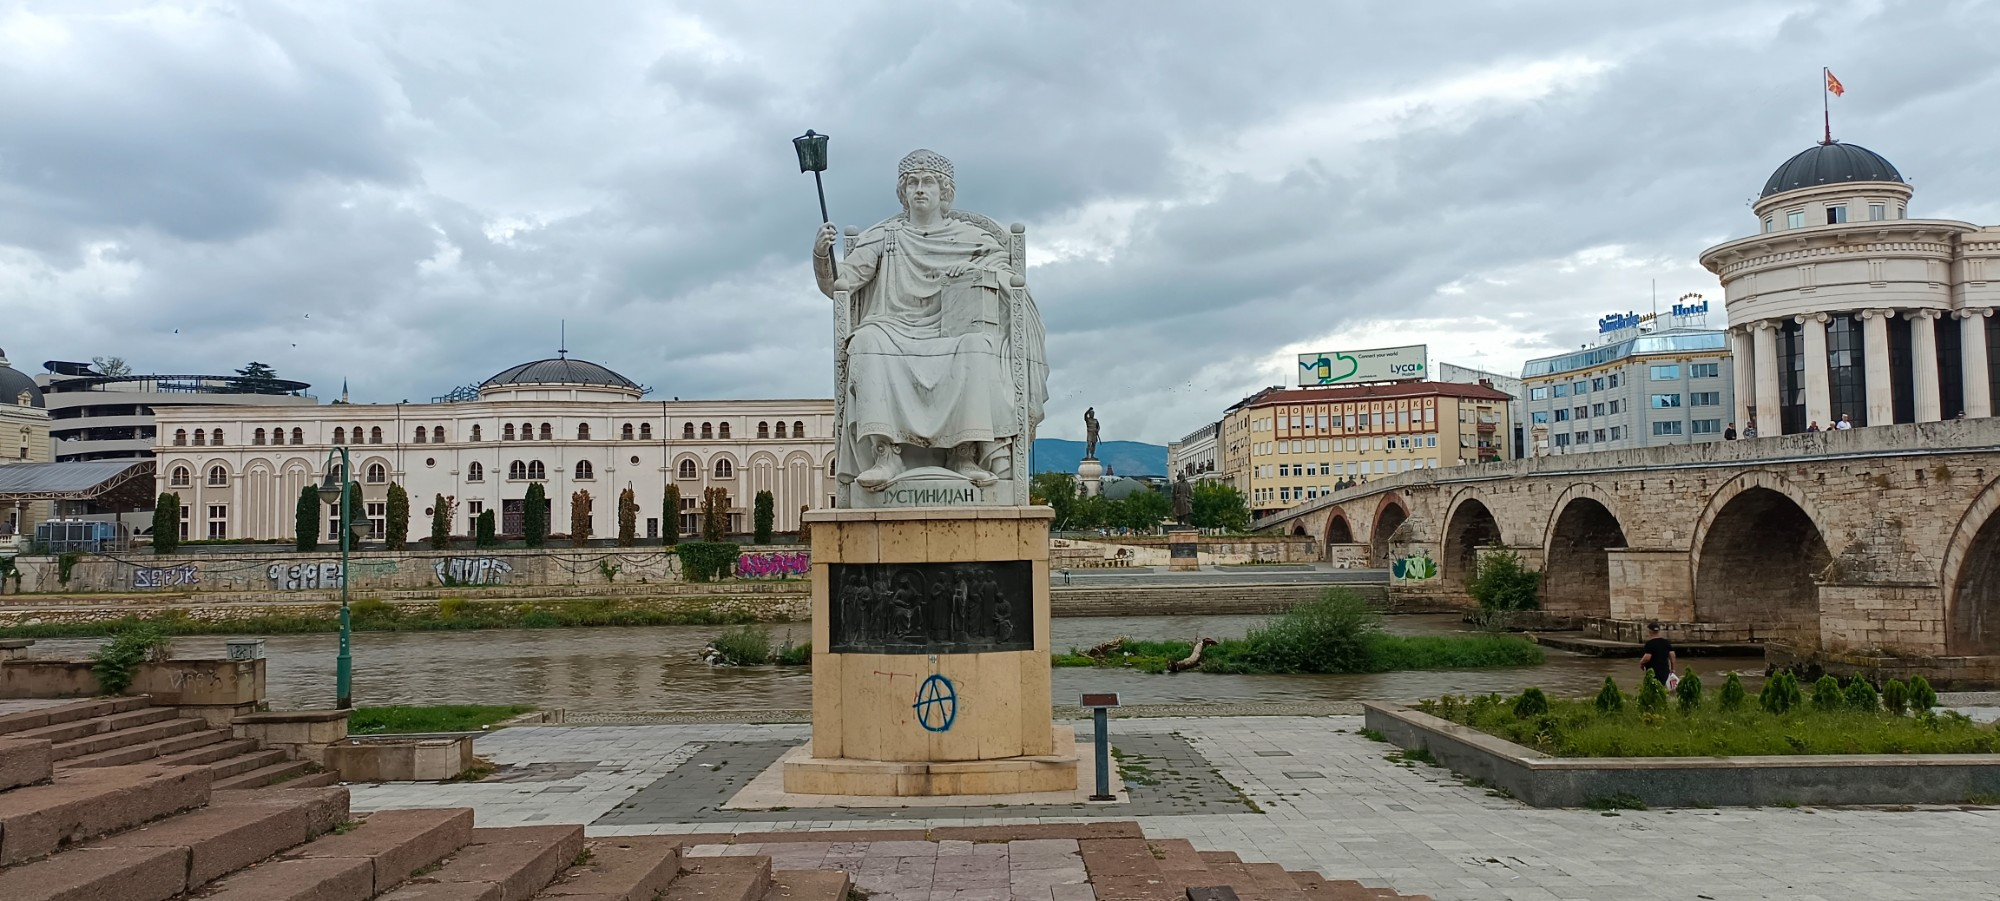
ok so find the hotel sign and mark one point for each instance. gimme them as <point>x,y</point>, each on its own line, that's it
<point>1381,364</point>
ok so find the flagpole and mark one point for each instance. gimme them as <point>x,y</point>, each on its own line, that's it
<point>1825,103</point>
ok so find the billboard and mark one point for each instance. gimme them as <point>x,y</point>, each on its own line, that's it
<point>1381,364</point>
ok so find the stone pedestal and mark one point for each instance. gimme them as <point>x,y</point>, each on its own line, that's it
<point>1183,550</point>
<point>1089,478</point>
<point>931,655</point>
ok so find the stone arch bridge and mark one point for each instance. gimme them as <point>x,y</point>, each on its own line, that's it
<point>1879,542</point>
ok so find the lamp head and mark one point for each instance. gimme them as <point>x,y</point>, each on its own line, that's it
<point>811,148</point>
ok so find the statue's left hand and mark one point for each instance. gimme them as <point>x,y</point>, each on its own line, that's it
<point>955,270</point>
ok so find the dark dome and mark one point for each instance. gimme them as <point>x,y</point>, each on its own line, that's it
<point>1825,164</point>
<point>559,371</point>
<point>13,382</point>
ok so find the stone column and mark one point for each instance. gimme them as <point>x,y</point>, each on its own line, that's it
<point>1924,359</point>
<point>1765,339</point>
<point>1973,362</point>
<point>1744,370</point>
<point>1819,398</point>
<point>1875,362</point>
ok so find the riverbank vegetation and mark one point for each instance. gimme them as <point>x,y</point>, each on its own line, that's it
<point>750,645</point>
<point>1336,633</point>
<point>443,718</point>
<point>372,615</point>
<point>1689,722</point>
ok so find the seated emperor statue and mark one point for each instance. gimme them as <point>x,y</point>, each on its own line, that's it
<point>930,355</point>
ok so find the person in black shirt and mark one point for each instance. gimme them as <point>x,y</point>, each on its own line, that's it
<point>1658,654</point>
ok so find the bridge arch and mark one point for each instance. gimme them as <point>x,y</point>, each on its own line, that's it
<point>1338,529</point>
<point>1390,514</point>
<point>1757,552</point>
<point>1576,571</point>
<point>1470,525</point>
<point>1970,575</point>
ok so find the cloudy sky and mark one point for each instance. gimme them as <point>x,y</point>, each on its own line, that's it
<point>411,196</point>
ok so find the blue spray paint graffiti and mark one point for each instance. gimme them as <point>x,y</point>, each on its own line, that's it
<point>937,704</point>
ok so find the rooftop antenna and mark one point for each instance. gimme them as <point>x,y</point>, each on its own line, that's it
<point>562,338</point>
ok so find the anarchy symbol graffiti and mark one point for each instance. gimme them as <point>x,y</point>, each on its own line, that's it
<point>937,704</point>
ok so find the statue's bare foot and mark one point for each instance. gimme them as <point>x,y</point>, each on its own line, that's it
<point>888,465</point>
<point>965,462</point>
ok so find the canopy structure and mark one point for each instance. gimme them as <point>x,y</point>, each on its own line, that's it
<point>113,485</point>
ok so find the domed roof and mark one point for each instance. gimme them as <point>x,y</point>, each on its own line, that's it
<point>1825,164</point>
<point>13,382</point>
<point>559,371</point>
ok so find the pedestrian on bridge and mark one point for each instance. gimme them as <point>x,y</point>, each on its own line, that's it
<point>1729,434</point>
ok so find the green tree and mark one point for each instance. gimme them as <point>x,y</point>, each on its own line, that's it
<point>535,516</point>
<point>307,523</point>
<point>257,378</point>
<point>441,515</point>
<point>1504,584</point>
<point>579,518</point>
<point>1058,491</point>
<point>111,365</point>
<point>1689,691</point>
<point>484,536</point>
<point>1609,698</point>
<point>167,523</point>
<point>398,527</point>
<point>1215,505</point>
<point>1733,696</point>
<point>762,518</point>
<point>1142,511</point>
<point>1091,512</point>
<point>628,518</point>
<point>1652,695</point>
<point>357,511</point>
<point>670,516</point>
<point>714,514</point>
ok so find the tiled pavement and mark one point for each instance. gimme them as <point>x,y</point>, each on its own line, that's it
<point>1328,800</point>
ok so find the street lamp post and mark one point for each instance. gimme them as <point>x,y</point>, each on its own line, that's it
<point>331,488</point>
<point>811,148</point>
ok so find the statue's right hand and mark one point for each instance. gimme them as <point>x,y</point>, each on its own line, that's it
<point>823,241</point>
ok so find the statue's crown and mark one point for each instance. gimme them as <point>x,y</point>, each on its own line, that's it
<point>924,161</point>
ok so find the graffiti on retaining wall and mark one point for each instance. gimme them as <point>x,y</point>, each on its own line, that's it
<point>165,576</point>
<point>774,565</point>
<point>1415,568</point>
<point>937,704</point>
<point>302,576</point>
<point>471,570</point>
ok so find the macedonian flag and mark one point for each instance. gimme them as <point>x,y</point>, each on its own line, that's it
<point>1833,84</point>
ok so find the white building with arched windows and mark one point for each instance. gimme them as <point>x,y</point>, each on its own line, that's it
<point>568,424</point>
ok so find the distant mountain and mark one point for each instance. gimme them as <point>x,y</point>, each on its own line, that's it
<point>1125,458</point>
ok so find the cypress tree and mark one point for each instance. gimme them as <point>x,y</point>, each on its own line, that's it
<point>167,523</point>
<point>535,516</point>
<point>308,519</point>
<point>398,526</point>
<point>763,518</point>
<point>440,524</point>
<point>628,518</point>
<point>670,516</point>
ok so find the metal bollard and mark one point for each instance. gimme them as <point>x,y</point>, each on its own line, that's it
<point>1100,713</point>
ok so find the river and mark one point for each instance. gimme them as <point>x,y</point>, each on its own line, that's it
<point>638,669</point>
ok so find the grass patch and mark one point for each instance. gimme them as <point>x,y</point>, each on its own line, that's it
<point>345,826</point>
<point>1372,734</point>
<point>1616,802</point>
<point>372,615</point>
<point>1581,728</point>
<point>751,645</point>
<point>447,718</point>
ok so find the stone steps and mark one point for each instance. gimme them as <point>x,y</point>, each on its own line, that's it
<point>358,863</point>
<point>83,804</point>
<point>807,885</point>
<point>129,736</point>
<point>721,879</point>
<point>24,762</point>
<point>627,868</point>
<point>510,864</point>
<point>83,727</point>
<point>13,723</point>
<point>279,771</point>
<point>151,750</point>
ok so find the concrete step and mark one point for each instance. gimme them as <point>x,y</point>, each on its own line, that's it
<point>1215,857</point>
<point>367,860</point>
<point>25,761</point>
<point>71,730</point>
<point>142,751</point>
<point>1318,888</point>
<point>623,868</point>
<point>1272,883</point>
<point>509,864</point>
<point>282,772</point>
<point>721,879</point>
<point>127,737</point>
<point>221,750</point>
<point>239,764</point>
<point>1176,855</point>
<point>313,780</point>
<point>83,804</point>
<point>807,885</point>
<point>159,861</point>
<point>64,713</point>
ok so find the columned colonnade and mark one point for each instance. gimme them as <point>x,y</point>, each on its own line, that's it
<point>1755,348</point>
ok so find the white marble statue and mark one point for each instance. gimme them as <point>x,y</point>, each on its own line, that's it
<point>941,373</point>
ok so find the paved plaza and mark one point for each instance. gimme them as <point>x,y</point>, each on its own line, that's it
<point>1307,793</point>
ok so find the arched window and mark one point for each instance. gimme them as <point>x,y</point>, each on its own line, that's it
<point>535,471</point>
<point>583,431</point>
<point>707,430</point>
<point>645,431</point>
<point>625,432</point>
<point>215,437</point>
<point>180,477</point>
<point>527,431</point>
<point>340,436</point>
<point>475,434</point>
<point>437,434</point>
<point>687,430</point>
<point>298,436</point>
<point>724,469</point>
<point>422,436</point>
<point>377,474</point>
<point>517,470</point>
<point>375,435</point>
<point>764,428</point>
<point>200,438</point>
<point>180,437</point>
<point>257,437</point>
<point>277,435</point>
<point>722,430</point>
<point>548,432</point>
<point>829,469</point>
<point>781,428</point>
<point>507,432</point>
<point>217,476</point>
<point>687,470</point>
<point>798,428</point>
<point>475,473</point>
<point>584,470</point>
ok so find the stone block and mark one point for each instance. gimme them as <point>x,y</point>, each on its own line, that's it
<point>24,761</point>
<point>413,760</point>
<point>397,842</point>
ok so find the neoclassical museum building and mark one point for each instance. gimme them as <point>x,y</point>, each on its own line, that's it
<point>566,423</point>
<point>1842,305</point>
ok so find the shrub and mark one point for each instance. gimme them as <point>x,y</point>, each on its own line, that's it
<point>670,516</point>
<point>1896,696</point>
<point>1922,698</point>
<point>116,663</point>
<point>743,646</point>
<point>795,654</point>
<point>484,535</point>
<point>579,518</point>
<point>66,565</point>
<point>762,518</point>
<point>1781,694</point>
<point>1652,695</point>
<point>628,518</point>
<point>396,532</point>
<point>1861,696</point>
<point>440,523</point>
<point>1827,696</point>
<point>1504,583</point>
<point>1609,698</point>
<point>1327,635</point>
<point>1532,703</point>
<point>535,516</point>
<point>714,513</point>
<point>706,561</point>
<point>1689,691</point>
<point>1733,696</point>
<point>167,523</point>
<point>306,519</point>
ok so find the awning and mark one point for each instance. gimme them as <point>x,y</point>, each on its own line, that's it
<point>125,483</point>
